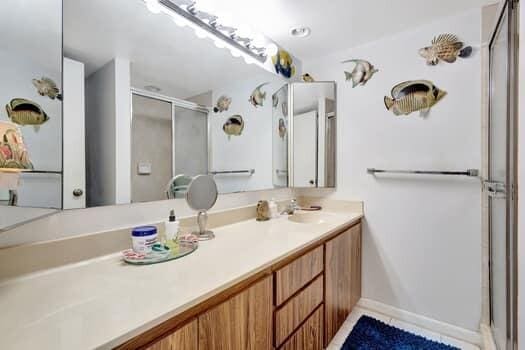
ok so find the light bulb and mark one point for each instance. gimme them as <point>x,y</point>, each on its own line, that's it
<point>219,43</point>
<point>235,52</point>
<point>201,33</point>
<point>248,60</point>
<point>259,40</point>
<point>272,49</point>
<point>244,31</point>
<point>180,21</point>
<point>153,6</point>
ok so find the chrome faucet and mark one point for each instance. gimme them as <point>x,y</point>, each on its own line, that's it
<point>291,207</point>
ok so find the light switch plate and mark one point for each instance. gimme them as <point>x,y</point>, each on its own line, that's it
<point>144,168</point>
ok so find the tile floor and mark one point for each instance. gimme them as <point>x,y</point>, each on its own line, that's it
<point>352,319</point>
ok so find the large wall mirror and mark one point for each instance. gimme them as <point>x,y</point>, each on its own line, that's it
<point>148,105</point>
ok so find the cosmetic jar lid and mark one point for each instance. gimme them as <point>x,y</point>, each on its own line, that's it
<point>144,231</point>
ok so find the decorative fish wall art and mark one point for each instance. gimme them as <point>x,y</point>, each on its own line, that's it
<point>233,126</point>
<point>223,103</point>
<point>282,128</point>
<point>26,112</point>
<point>446,47</point>
<point>307,78</point>
<point>275,101</point>
<point>414,95</point>
<point>283,64</point>
<point>362,72</point>
<point>47,87</point>
<point>258,96</point>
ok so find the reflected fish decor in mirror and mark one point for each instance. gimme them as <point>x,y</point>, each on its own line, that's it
<point>47,87</point>
<point>26,112</point>
<point>283,63</point>
<point>223,103</point>
<point>446,47</point>
<point>233,126</point>
<point>414,95</point>
<point>258,96</point>
<point>13,153</point>
<point>362,72</point>
<point>282,128</point>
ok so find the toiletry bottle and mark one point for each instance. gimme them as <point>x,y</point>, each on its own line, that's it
<point>172,228</point>
<point>274,212</point>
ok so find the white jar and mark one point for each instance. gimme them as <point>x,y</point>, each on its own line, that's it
<point>143,238</point>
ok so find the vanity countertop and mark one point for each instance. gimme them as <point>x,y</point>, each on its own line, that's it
<point>104,302</point>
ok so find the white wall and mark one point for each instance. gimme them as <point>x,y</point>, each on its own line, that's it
<point>422,235</point>
<point>251,150</point>
<point>108,120</point>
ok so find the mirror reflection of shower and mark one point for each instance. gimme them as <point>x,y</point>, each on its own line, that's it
<point>169,145</point>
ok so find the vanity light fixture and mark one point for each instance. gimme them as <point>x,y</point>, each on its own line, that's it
<point>240,41</point>
<point>300,32</point>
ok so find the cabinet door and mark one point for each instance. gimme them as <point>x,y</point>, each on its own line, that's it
<point>243,322</point>
<point>184,338</point>
<point>309,336</point>
<point>343,278</point>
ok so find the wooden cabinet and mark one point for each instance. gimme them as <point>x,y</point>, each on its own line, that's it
<point>185,338</point>
<point>309,336</point>
<point>295,275</point>
<point>243,322</point>
<point>342,278</point>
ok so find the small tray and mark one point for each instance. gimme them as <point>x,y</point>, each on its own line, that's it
<point>182,249</point>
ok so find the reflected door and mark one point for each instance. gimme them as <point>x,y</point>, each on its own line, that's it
<point>305,149</point>
<point>190,139</point>
<point>500,184</point>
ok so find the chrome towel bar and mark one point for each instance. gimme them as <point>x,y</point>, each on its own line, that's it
<point>249,172</point>
<point>468,172</point>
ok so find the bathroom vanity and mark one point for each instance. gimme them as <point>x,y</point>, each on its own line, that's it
<point>298,302</point>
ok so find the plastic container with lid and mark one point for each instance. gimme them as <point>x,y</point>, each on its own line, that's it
<point>143,238</point>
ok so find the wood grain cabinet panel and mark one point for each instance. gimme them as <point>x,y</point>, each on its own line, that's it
<point>185,338</point>
<point>243,322</point>
<point>342,278</point>
<point>292,277</point>
<point>297,309</point>
<point>309,336</point>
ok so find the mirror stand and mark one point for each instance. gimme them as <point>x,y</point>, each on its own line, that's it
<point>202,220</point>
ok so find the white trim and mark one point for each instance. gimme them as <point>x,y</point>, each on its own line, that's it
<point>422,321</point>
<point>487,338</point>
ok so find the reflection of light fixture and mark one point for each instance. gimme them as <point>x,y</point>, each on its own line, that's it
<point>13,152</point>
<point>300,32</point>
<point>240,41</point>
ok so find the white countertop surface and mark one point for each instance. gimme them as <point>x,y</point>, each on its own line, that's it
<point>104,302</point>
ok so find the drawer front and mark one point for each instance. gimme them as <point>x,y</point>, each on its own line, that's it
<point>297,309</point>
<point>295,275</point>
<point>309,336</point>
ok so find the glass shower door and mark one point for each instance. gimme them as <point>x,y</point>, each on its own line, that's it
<point>499,186</point>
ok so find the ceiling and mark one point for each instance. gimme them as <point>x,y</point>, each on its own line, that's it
<point>160,52</point>
<point>337,24</point>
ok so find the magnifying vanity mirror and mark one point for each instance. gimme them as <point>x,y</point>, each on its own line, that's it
<point>145,111</point>
<point>201,196</point>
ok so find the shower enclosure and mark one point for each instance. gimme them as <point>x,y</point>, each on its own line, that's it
<point>501,183</point>
<point>169,137</point>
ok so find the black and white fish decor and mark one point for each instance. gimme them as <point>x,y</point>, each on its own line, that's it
<point>362,72</point>
<point>233,126</point>
<point>414,95</point>
<point>446,47</point>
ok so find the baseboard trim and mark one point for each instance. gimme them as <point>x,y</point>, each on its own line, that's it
<point>422,321</point>
<point>488,338</point>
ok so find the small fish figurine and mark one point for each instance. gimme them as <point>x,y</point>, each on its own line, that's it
<point>446,47</point>
<point>25,112</point>
<point>223,103</point>
<point>47,87</point>
<point>282,128</point>
<point>362,73</point>
<point>275,101</point>
<point>307,78</point>
<point>412,96</point>
<point>258,96</point>
<point>233,126</point>
<point>283,64</point>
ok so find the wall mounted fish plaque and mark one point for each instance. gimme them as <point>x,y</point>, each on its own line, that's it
<point>281,128</point>
<point>258,96</point>
<point>362,72</point>
<point>233,126</point>
<point>47,87</point>
<point>446,47</point>
<point>223,103</point>
<point>26,112</point>
<point>414,95</point>
<point>283,64</point>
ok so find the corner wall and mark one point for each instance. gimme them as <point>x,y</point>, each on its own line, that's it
<point>422,234</point>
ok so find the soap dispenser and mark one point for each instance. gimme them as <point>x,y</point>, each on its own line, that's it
<point>172,227</point>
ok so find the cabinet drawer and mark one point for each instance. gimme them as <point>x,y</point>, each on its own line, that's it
<point>297,274</point>
<point>309,336</point>
<point>297,309</point>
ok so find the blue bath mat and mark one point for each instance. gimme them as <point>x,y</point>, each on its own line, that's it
<point>371,334</point>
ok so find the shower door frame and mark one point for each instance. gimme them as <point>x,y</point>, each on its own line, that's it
<point>509,10</point>
<point>176,102</point>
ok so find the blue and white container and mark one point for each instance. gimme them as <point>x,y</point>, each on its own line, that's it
<point>143,238</point>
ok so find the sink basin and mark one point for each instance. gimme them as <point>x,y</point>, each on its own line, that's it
<point>308,217</point>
